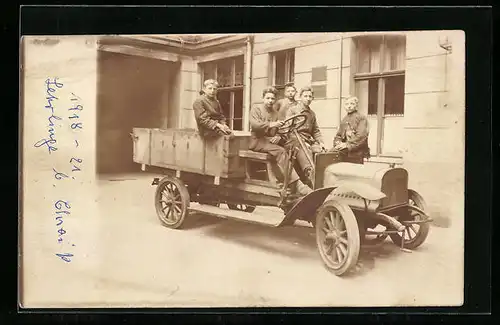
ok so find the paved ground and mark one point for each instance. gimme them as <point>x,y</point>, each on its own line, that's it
<point>133,260</point>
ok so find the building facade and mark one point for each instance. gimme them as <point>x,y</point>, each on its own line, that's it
<point>411,85</point>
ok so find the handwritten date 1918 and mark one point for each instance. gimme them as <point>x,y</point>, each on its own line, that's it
<point>76,109</point>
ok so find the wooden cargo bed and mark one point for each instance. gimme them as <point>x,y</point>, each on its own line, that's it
<point>185,150</point>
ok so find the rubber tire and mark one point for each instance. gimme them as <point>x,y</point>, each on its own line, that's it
<point>354,243</point>
<point>185,199</point>
<point>423,231</point>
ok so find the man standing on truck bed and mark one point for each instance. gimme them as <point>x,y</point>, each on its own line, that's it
<point>208,112</point>
<point>264,123</point>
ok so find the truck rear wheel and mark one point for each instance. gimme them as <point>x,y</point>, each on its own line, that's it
<point>172,202</point>
<point>337,237</point>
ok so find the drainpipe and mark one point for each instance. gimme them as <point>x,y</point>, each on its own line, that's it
<point>248,74</point>
<point>340,78</point>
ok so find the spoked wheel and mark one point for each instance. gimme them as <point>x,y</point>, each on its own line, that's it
<point>241,207</point>
<point>414,234</point>
<point>172,202</point>
<point>337,237</point>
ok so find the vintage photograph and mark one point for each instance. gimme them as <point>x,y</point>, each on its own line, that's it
<point>243,170</point>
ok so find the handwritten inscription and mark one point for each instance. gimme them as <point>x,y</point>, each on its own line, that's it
<point>62,206</point>
<point>62,210</point>
<point>51,87</point>
<point>75,165</point>
<point>75,109</point>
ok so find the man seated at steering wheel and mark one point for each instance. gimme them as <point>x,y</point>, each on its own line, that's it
<point>309,131</point>
<point>264,124</point>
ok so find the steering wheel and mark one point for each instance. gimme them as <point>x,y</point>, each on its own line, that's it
<point>292,123</point>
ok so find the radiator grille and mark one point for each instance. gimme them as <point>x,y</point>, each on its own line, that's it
<point>395,187</point>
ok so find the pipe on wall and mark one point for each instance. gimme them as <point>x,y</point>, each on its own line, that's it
<point>340,76</point>
<point>248,81</point>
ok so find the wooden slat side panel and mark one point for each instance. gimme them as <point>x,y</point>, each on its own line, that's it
<point>162,147</point>
<point>221,156</point>
<point>214,156</point>
<point>186,150</point>
<point>142,145</point>
<point>189,151</point>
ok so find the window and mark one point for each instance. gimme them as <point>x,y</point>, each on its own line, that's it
<point>282,70</point>
<point>229,73</point>
<point>379,76</point>
<point>380,71</point>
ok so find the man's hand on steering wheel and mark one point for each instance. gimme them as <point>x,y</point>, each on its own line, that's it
<point>276,124</point>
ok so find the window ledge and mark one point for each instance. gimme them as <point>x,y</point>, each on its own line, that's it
<point>241,133</point>
<point>369,75</point>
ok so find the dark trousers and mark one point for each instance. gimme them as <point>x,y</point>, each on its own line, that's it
<point>301,154</point>
<point>278,153</point>
<point>352,157</point>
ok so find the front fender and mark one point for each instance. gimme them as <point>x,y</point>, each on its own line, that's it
<point>307,206</point>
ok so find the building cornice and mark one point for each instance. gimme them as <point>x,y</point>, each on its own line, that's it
<point>188,47</point>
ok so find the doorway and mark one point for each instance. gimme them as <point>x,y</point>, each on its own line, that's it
<point>132,91</point>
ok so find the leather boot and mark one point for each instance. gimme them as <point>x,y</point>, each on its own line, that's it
<point>308,171</point>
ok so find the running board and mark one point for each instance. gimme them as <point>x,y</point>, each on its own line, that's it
<point>271,219</point>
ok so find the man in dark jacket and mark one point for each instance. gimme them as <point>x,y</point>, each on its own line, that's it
<point>284,104</point>
<point>309,131</point>
<point>352,135</point>
<point>264,122</point>
<point>208,112</point>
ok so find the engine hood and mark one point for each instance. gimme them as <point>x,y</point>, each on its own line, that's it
<point>368,173</point>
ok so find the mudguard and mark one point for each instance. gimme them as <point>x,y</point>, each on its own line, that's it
<point>364,190</point>
<point>307,206</point>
